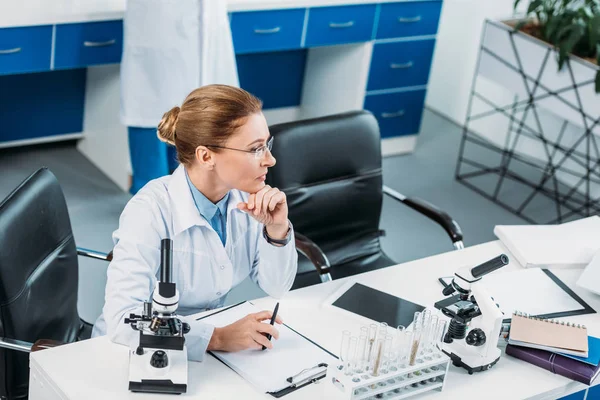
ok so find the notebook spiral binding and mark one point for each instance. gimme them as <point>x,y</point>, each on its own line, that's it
<point>550,321</point>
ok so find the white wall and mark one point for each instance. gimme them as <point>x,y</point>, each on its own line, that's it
<point>456,53</point>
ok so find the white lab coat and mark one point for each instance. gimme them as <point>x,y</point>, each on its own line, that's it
<point>172,47</point>
<point>203,270</point>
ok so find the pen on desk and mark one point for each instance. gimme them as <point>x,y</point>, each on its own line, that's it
<point>272,321</point>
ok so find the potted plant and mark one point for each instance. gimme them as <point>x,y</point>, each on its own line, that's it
<point>572,26</point>
<point>531,123</point>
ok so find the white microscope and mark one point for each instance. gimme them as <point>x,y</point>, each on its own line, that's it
<point>476,312</point>
<point>158,364</point>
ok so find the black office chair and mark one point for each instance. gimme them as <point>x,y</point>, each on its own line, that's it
<point>38,278</point>
<point>330,170</point>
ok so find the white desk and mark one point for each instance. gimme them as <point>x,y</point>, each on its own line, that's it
<point>98,369</point>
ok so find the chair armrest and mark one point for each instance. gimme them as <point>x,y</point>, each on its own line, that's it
<point>14,344</point>
<point>94,254</point>
<point>432,212</point>
<point>28,347</point>
<point>310,250</point>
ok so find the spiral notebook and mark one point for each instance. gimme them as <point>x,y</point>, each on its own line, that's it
<point>546,334</point>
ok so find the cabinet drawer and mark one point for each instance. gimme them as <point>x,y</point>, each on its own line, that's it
<point>400,64</point>
<point>82,44</point>
<point>256,31</point>
<point>397,113</point>
<point>275,77</point>
<point>25,49</point>
<point>43,104</point>
<point>338,25</point>
<point>411,18</point>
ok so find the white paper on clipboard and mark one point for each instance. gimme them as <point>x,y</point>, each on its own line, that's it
<point>290,355</point>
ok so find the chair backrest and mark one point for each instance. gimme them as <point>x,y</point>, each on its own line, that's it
<point>330,170</point>
<point>38,274</point>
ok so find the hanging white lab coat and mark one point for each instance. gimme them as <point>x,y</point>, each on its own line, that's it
<point>172,47</point>
<point>203,269</point>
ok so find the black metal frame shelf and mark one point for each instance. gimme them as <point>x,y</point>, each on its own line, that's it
<point>570,201</point>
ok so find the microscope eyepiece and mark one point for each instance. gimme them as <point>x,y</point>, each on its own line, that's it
<point>489,266</point>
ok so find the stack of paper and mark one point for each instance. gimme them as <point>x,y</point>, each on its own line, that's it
<point>568,245</point>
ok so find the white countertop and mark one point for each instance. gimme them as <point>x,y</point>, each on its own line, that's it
<point>44,12</point>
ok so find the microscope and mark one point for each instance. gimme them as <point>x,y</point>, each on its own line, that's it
<point>158,364</point>
<point>472,310</point>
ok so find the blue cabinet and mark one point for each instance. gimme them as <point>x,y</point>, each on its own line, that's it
<point>409,18</point>
<point>257,31</point>
<point>339,25</point>
<point>400,64</point>
<point>275,78</point>
<point>92,43</point>
<point>271,46</point>
<point>397,113</point>
<point>25,49</point>
<point>40,105</point>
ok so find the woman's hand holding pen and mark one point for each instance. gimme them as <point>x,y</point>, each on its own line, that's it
<point>247,333</point>
<point>269,207</point>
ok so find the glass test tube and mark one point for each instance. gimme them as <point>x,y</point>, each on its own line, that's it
<point>377,357</point>
<point>426,322</point>
<point>361,354</point>
<point>388,354</point>
<point>403,357</point>
<point>431,337</point>
<point>344,349</point>
<point>371,345</point>
<point>439,336</point>
<point>416,338</point>
<point>351,361</point>
<point>397,345</point>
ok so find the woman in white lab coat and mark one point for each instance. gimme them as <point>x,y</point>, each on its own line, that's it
<point>170,47</point>
<point>225,222</point>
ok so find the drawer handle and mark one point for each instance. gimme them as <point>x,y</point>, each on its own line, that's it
<point>341,25</point>
<point>11,51</point>
<point>392,114</point>
<point>267,31</point>
<point>405,20</point>
<point>401,66</point>
<point>99,44</point>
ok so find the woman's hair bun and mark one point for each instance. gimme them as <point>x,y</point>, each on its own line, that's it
<point>167,126</point>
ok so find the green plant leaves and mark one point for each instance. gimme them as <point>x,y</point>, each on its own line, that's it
<point>573,26</point>
<point>594,32</point>
<point>533,5</point>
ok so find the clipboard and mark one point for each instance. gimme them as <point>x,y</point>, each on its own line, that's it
<point>573,304</point>
<point>305,375</point>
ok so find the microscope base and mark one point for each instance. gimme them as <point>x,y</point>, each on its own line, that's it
<point>457,361</point>
<point>157,386</point>
<point>144,377</point>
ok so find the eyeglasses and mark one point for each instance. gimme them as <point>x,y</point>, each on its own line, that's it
<point>259,152</point>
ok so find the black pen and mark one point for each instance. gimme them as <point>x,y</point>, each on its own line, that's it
<point>272,321</point>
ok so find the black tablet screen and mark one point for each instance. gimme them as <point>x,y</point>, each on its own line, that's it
<point>377,305</point>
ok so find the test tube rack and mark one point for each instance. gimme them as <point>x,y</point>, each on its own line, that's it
<point>401,383</point>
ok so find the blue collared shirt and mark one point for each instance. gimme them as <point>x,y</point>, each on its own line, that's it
<point>215,214</point>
